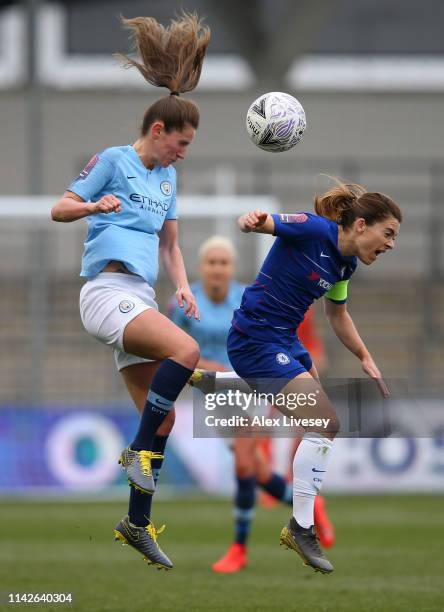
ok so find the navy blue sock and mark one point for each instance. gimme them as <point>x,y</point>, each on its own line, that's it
<point>244,508</point>
<point>168,382</point>
<point>139,510</point>
<point>279,488</point>
<point>158,447</point>
<point>138,507</point>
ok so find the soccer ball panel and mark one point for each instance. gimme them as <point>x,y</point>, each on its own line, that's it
<point>276,122</point>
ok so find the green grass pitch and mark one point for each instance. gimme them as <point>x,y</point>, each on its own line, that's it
<point>389,556</point>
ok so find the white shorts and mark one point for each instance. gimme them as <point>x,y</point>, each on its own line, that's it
<point>108,302</point>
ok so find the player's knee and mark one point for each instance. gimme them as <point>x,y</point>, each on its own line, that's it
<point>263,472</point>
<point>187,352</point>
<point>261,467</point>
<point>334,425</point>
<point>194,353</point>
<point>245,468</point>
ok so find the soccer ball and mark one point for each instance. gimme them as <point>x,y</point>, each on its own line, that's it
<point>276,122</point>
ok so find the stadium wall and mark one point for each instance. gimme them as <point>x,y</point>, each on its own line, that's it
<point>77,124</point>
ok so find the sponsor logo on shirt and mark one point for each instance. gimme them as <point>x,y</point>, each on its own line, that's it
<point>325,284</point>
<point>314,276</point>
<point>166,188</point>
<point>299,218</point>
<point>87,169</point>
<point>147,203</point>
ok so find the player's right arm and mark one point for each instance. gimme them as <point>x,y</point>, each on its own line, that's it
<point>256,221</point>
<point>295,228</point>
<point>72,207</point>
<point>93,182</point>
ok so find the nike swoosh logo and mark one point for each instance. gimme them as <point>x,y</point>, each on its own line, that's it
<point>322,255</point>
<point>130,177</point>
<point>159,403</point>
<point>133,533</point>
<point>315,470</point>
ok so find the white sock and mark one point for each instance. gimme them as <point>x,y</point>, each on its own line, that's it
<point>309,467</point>
<point>235,382</point>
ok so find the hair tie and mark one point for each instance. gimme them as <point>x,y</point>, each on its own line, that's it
<point>174,93</point>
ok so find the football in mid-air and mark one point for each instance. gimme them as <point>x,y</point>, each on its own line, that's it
<point>276,122</point>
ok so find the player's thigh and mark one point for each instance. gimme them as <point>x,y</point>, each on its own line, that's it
<point>307,400</point>
<point>153,336</point>
<point>138,379</point>
<point>244,456</point>
<point>313,372</point>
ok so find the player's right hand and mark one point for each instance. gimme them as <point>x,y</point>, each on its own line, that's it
<point>252,220</point>
<point>106,205</point>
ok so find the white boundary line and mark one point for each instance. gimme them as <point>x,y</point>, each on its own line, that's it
<point>219,207</point>
<point>12,47</point>
<point>368,73</point>
<point>62,71</point>
<point>189,205</point>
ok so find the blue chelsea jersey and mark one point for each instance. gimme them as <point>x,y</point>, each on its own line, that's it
<point>211,331</point>
<point>148,198</point>
<point>303,264</point>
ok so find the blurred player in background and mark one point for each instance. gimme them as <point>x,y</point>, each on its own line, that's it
<point>218,295</point>
<point>309,337</point>
<point>128,195</point>
<point>312,256</point>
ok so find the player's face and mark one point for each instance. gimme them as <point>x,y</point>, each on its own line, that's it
<point>168,147</point>
<point>217,268</point>
<point>374,240</point>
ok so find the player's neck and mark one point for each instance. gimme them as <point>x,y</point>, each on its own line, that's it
<point>145,157</point>
<point>346,243</point>
<point>216,294</point>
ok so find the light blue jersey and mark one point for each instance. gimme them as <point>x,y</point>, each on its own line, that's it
<point>148,198</point>
<point>215,318</point>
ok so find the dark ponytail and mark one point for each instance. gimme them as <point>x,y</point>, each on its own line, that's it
<point>346,202</point>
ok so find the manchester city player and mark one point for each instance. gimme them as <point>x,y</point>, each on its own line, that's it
<point>312,256</point>
<point>128,196</point>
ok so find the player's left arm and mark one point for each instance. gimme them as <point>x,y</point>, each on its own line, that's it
<point>344,328</point>
<point>172,260</point>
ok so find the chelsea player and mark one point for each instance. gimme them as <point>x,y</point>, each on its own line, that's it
<point>312,256</point>
<point>128,196</point>
<point>218,295</point>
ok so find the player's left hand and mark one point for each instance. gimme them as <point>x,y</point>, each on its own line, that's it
<point>371,369</point>
<point>185,297</point>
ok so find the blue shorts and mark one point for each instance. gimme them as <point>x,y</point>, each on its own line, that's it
<point>268,366</point>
